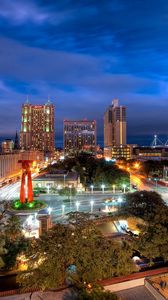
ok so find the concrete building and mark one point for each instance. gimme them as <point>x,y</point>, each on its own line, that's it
<point>45,224</point>
<point>11,168</point>
<point>115,125</point>
<point>57,180</point>
<point>37,127</point>
<point>79,136</point>
<point>7,146</point>
<point>150,153</point>
<point>117,152</point>
<point>9,164</point>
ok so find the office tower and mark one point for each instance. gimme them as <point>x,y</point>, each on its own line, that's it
<point>79,136</point>
<point>7,146</point>
<point>115,125</point>
<point>37,127</point>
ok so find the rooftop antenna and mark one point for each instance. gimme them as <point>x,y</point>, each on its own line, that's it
<point>27,99</point>
<point>48,100</point>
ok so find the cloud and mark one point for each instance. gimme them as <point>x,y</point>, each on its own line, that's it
<point>37,64</point>
<point>84,53</point>
<point>19,12</point>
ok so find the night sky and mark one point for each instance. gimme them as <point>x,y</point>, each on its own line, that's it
<point>83,53</point>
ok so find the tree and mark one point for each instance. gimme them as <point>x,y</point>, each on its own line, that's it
<point>97,294</point>
<point>153,242</point>
<point>15,248</point>
<point>146,205</point>
<point>152,167</point>
<point>76,253</point>
<point>13,228</point>
<point>93,171</point>
<point>89,293</point>
<point>68,192</point>
<point>11,238</point>
<point>3,251</point>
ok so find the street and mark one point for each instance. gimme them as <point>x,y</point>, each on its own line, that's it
<point>143,184</point>
<point>10,191</point>
<point>88,201</point>
<point>81,203</point>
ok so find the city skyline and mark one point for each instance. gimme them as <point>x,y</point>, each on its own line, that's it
<point>115,49</point>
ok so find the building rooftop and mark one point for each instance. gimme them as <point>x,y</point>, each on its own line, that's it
<point>136,293</point>
<point>160,284</point>
<point>57,176</point>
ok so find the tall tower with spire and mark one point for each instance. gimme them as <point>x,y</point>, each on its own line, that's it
<point>16,143</point>
<point>37,127</point>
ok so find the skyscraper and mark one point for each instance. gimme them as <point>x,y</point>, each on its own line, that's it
<point>79,135</point>
<point>115,125</point>
<point>37,127</point>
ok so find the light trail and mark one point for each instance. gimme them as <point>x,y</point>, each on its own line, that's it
<point>10,191</point>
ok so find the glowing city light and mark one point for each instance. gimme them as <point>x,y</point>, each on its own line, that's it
<point>49,210</point>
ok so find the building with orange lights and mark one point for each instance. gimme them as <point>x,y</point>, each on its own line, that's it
<point>118,152</point>
<point>79,136</point>
<point>37,127</point>
<point>10,168</point>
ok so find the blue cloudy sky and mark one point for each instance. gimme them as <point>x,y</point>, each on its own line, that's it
<point>83,54</point>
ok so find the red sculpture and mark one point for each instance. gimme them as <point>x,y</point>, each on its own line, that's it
<point>26,190</point>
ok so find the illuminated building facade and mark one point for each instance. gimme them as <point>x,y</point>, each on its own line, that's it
<point>58,180</point>
<point>118,152</point>
<point>150,153</point>
<point>115,125</point>
<point>10,166</point>
<point>37,127</point>
<point>7,146</point>
<point>79,136</point>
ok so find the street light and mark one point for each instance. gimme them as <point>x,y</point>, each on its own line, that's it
<point>136,165</point>
<point>92,187</point>
<point>63,209</point>
<point>124,187</point>
<point>103,186</point>
<point>156,180</point>
<point>64,180</point>
<point>35,217</point>
<point>91,206</point>
<point>77,205</point>
<point>120,200</point>
<point>30,220</point>
<point>49,210</point>
<point>114,188</point>
<point>70,186</point>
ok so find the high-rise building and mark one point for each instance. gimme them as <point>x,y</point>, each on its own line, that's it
<point>79,136</point>
<point>37,127</point>
<point>115,125</point>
